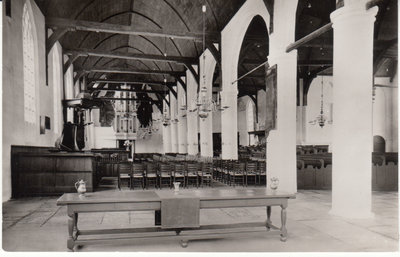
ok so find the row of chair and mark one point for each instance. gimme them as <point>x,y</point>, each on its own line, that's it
<point>233,172</point>
<point>159,174</point>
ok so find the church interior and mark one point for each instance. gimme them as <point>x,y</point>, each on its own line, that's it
<point>174,125</point>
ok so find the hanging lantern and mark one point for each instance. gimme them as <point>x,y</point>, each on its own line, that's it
<point>320,119</point>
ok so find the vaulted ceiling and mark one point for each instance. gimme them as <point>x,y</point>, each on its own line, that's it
<point>148,41</point>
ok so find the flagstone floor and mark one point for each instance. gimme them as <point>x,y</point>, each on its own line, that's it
<point>38,224</point>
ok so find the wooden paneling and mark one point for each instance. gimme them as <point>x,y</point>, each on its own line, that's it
<point>384,177</point>
<point>41,173</point>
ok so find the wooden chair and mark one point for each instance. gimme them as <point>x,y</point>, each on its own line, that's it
<point>137,174</point>
<point>179,174</point>
<point>192,174</point>
<point>124,172</point>
<point>225,168</point>
<point>261,173</point>
<point>164,175</point>
<point>251,173</point>
<point>237,174</point>
<point>151,175</point>
<point>206,173</point>
<point>216,168</point>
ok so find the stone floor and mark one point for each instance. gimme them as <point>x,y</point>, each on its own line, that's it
<point>37,224</point>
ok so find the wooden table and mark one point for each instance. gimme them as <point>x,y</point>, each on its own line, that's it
<point>152,201</point>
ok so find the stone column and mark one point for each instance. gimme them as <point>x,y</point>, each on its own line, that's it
<point>353,28</point>
<point>182,117</point>
<point>192,118</point>
<point>166,131</point>
<point>174,122</point>
<point>281,142</point>
<point>207,66</point>
<point>229,131</point>
<point>69,91</point>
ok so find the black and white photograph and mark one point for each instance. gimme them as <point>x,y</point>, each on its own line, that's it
<point>200,127</point>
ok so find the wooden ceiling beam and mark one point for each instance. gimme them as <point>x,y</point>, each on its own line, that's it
<point>133,71</point>
<point>81,25</point>
<point>309,37</point>
<point>125,81</point>
<point>129,90</point>
<point>124,99</point>
<point>130,56</point>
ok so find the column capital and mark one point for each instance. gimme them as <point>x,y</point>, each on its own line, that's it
<point>230,92</point>
<point>353,11</point>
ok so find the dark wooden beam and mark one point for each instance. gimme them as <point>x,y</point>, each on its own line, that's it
<point>181,82</point>
<point>309,37</point>
<point>124,99</point>
<point>131,56</point>
<point>71,60</point>
<point>129,90</point>
<point>57,34</point>
<point>379,57</point>
<point>172,90</point>
<point>159,104</point>
<point>194,73</point>
<point>128,30</point>
<point>125,81</point>
<point>214,51</point>
<point>372,3</point>
<point>133,71</point>
<point>79,75</point>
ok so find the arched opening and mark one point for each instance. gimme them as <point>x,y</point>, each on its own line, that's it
<point>251,74</point>
<point>379,144</point>
<point>232,38</point>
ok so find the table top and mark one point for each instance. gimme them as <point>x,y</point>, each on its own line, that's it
<point>157,196</point>
<point>226,194</point>
<point>109,197</point>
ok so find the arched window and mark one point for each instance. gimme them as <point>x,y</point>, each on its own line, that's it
<point>29,67</point>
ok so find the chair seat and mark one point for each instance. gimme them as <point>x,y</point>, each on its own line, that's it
<point>109,178</point>
<point>151,175</point>
<point>178,175</point>
<point>192,174</point>
<point>165,175</point>
<point>124,175</point>
<point>137,175</point>
<point>236,174</point>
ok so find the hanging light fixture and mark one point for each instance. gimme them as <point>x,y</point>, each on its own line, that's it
<point>320,119</point>
<point>204,104</point>
<point>166,119</point>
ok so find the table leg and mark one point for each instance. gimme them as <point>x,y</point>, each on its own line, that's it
<point>157,218</point>
<point>71,222</point>
<point>76,225</point>
<point>283,220</point>
<point>268,224</point>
